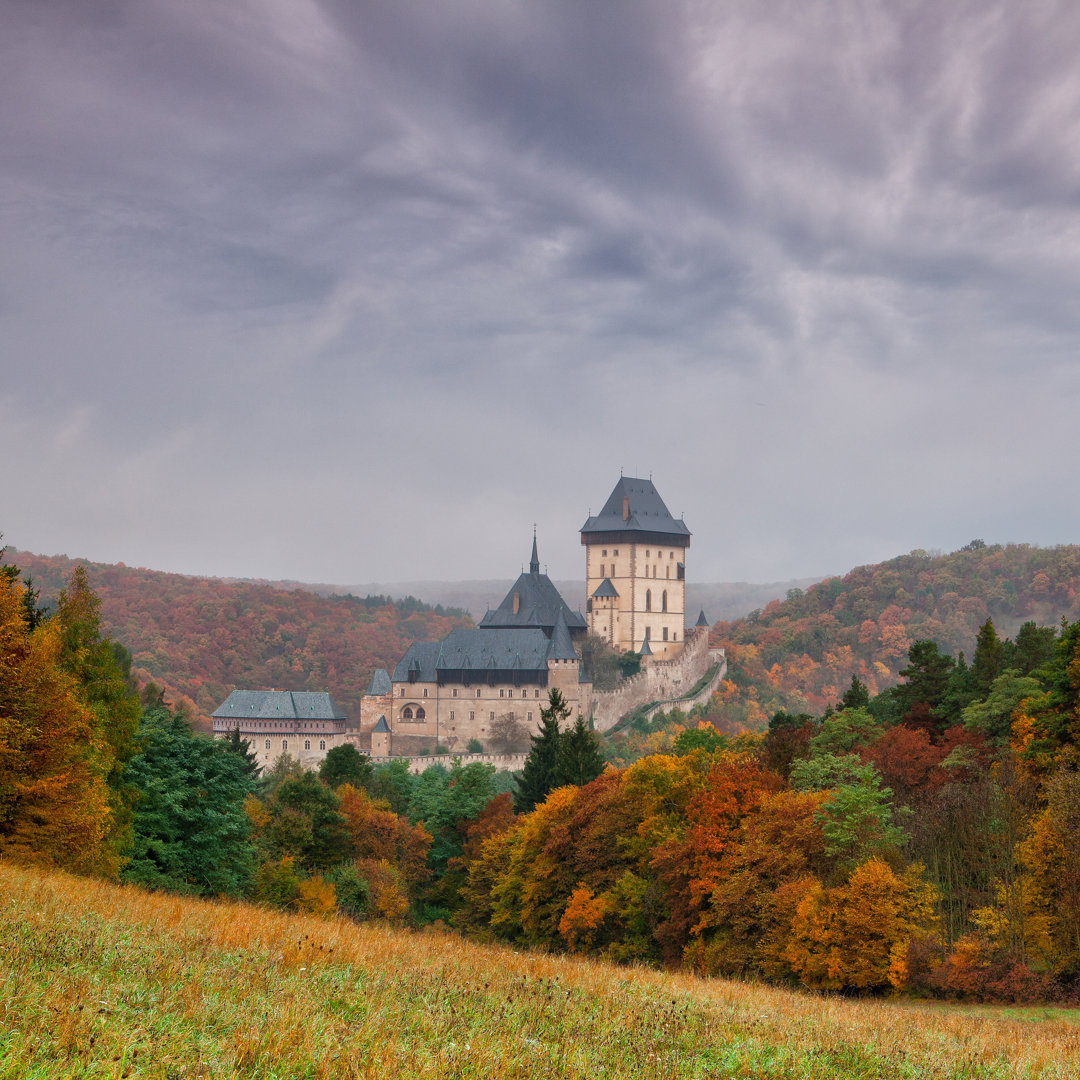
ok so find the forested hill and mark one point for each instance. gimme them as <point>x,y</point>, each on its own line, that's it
<point>202,637</point>
<point>799,654</point>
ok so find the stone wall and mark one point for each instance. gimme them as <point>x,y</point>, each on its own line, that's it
<point>659,680</point>
<point>511,762</point>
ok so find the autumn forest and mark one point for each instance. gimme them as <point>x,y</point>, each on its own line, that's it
<point>882,797</point>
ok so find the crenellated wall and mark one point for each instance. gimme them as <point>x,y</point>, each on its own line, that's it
<point>659,680</point>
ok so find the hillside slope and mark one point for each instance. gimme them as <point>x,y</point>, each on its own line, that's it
<point>799,654</point>
<point>110,981</point>
<point>202,637</point>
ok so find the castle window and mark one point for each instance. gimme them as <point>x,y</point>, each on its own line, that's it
<point>616,553</point>
<point>307,744</point>
<point>284,744</point>
<point>451,714</point>
<point>453,693</point>
<point>646,553</point>
<point>665,633</point>
<point>648,633</point>
<point>425,691</point>
<point>322,744</point>
<point>406,713</point>
<point>536,693</point>
<point>511,715</point>
<point>671,554</point>
<point>267,744</point>
<point>472,716</point>
<point>604,553</point>
<point>420,714</point>
<point>501,691</point>
<point>530,718</point>
<point>667,571</point>
<point>401,692</point>
<point>491,716</point>
<point>601,569</point>
<point>478,691</point>
<point>648,599</point>
<point>664,601</point>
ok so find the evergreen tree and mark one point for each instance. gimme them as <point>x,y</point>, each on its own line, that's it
<point>242,748</point>
<point>345,765</point>
<point>856,696</point>
<point>541,771</point>
<point>989,660</point>
<point>927,676</point>
<point>1032,649</point>
<point>579,759</point>
<point>189,829</point>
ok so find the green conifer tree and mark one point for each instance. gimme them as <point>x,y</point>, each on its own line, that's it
<point>579,759</point>
<point>541,771</point>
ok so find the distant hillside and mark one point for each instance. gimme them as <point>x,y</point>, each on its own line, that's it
<point>719,600</point>
<point>799,654</point>
<point>202,637</point>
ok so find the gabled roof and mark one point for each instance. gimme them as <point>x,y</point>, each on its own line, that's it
<point>278,705</point>
<point>380,683</point>
<point>538,603</point>
<point>635,506</point>
<point>605,588</point>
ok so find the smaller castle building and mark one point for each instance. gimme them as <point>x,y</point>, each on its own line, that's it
<point>303,724</point>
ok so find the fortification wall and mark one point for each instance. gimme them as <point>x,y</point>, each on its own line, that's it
<point>512,762</point>
<point>659,680</point>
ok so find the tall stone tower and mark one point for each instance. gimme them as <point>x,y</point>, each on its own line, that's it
<point>635,571</point>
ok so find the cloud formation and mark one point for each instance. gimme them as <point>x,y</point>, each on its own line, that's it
<point>348,292</point>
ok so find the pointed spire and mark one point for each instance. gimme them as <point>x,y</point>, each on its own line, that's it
<point>701,620</point>
<point>646,648</point>
<point>562,648</point>
<point>534,562</point>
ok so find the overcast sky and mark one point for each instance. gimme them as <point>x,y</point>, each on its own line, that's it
<point>346,291</point>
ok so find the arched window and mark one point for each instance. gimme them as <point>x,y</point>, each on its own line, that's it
<point>663,601</point>
<point>420,714</point>
<point>648,599</point>
<point>406,713</point>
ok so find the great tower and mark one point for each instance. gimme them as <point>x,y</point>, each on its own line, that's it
<point>635,571</point>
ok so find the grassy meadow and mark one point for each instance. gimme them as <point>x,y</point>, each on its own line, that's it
<point>101,980</point>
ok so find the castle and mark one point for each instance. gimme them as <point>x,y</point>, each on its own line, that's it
<point>463,689</point>
<point>477,685</point>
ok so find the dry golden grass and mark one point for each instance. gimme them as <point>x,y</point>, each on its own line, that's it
<point>99,980</point>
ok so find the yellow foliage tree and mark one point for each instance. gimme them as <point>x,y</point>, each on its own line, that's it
<point>582,918</point>
<point>54,801</point>
<point>852,935</point>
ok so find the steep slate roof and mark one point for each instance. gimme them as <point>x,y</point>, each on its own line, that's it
<point>381,726</point>
<point>561,647</point>
<point>278,705</point>
<point>539,603</point>
<point>526,649</point>
<point>701,620</point>
<point>605,588</point>
<point>646,649</point>
<point>380,683</point>
<point>645,513</point>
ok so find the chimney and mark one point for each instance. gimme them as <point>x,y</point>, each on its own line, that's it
<point>517,603</point>
<point>626,508</point>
